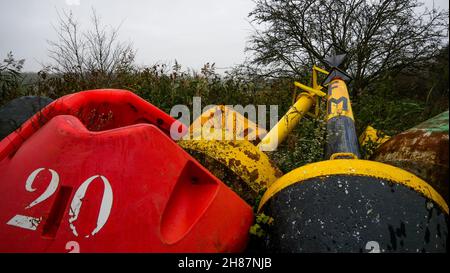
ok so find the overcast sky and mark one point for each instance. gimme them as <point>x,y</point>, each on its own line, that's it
<point>192,32</point>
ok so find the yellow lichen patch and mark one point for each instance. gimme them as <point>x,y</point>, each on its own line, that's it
<point>242,157</point>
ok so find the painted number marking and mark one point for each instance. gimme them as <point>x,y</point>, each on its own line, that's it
<point>28,222</point>
<point>73,246</point>
<point>51,188</point>
<point>105,207</point>
<point>31,223</point>
<point>373,247</point>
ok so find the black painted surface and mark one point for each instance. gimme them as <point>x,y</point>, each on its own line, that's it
<point>19,110</point>
<point>345,213</point>
<point>341,137</point>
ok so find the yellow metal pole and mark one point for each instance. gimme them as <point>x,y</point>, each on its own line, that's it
<point>279,132</point>
<point>323,71</point>
<point>288,122</point>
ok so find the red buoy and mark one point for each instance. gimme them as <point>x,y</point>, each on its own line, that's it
<point>96,171</point>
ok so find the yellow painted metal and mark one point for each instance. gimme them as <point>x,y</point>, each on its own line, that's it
<point>318,69</point>
<point>374,136</point>
<point>224,135</point>
<point>338,100</point>
<point>316,89</point>
<point>224,123</point>
<point>355,167</point>
<point>315,114</point>
<point>310,90</point>
<point>216,138</point>
<point>288,122</point>
<point>301,107</point>
<point>242,157</point>
<point>343,155</point>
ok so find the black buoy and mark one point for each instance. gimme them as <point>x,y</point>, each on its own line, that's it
<point>348,205</point>
<point>19,110</point>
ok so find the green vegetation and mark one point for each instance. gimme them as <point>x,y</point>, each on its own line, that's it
<point>10,78</point>
<point>262,221</point>
<point>392,105</point>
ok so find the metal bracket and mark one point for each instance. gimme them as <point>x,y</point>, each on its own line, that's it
<point>315,91</point>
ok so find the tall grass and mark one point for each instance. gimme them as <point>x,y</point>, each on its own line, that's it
<point>166,86</point>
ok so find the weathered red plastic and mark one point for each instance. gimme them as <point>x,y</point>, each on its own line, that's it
<point>96,171</point>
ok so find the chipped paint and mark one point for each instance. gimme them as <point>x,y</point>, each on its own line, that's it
<point>105,207</point>
<point>372,135</point>
<point>333,220</point>
<point>422,150</point>
<point>26,222</point>
<point>242,157</point>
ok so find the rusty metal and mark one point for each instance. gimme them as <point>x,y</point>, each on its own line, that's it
<point>422,150</point>
<point>222,140</point>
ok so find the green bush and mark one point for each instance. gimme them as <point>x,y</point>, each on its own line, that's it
<point>386,107</point>
<point>389,114</point>
<point>10,78</point>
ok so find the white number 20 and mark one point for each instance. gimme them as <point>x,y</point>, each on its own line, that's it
<point>31,223</point>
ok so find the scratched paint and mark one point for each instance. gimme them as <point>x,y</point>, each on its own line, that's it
<point>26,222</point>
<point>341,132</point>
<point>338,100</point>
<point>352,213</point>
